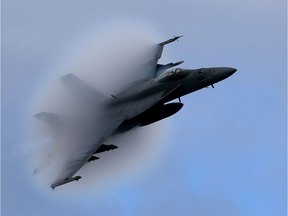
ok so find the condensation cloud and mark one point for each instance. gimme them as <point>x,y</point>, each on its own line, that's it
<point>109,60</point>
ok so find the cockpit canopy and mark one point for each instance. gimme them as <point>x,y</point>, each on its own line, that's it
<point>172,75</point>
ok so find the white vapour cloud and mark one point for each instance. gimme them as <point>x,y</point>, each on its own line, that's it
<point>108,63</point>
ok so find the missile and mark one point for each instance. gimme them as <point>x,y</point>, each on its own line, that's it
<point>171,40</point>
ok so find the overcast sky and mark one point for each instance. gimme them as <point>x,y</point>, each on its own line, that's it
<point>224,152</point>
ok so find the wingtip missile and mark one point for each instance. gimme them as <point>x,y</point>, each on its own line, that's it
<point>177,37</point>
<point>171,40</point>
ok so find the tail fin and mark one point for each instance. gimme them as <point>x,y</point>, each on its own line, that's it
<point>81,89</point>
<point>50,118</point>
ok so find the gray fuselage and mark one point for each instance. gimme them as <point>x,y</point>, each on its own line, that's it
<point>148,98</point>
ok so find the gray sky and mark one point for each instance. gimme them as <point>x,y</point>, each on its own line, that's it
<point>225,151</point>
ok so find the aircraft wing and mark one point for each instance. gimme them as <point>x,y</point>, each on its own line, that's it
<point>75,161</point>
<point>157,50</point>
<point>87,138</point>
<point>79,138</point>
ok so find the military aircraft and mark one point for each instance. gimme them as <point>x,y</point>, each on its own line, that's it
<point>140,104</point>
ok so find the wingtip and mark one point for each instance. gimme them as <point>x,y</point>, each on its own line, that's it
<point>170,40</point>
<point>179,36</point>
<point>64,181</point>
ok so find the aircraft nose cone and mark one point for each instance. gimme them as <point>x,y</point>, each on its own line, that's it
<point>228,71</point>
<point>233,70</point>
<point>225,72</point>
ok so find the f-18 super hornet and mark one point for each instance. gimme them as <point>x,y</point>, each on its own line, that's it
<point>140,104</point>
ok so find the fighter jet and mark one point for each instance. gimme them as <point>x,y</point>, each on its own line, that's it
<point>142,103</point>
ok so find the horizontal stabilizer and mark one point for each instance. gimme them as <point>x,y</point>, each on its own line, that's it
<point>50,118</point>
<point>81,89</point>
<point>65,181</point>
<point>105,147</point>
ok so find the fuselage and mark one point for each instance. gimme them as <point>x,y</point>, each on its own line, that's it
<point>151,95</point>
<point>198,79</point>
